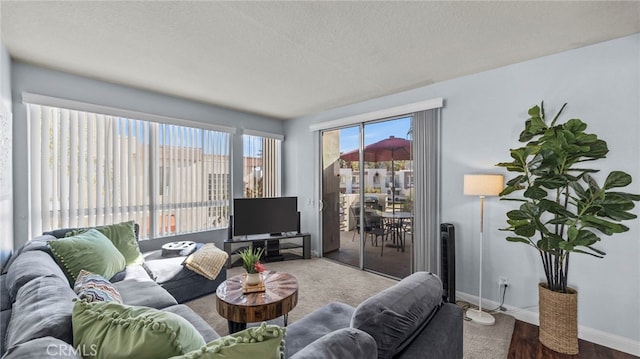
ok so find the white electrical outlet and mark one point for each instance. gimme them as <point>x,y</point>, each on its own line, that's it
<point>502,281</point>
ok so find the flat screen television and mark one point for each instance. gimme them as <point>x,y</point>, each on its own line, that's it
<point>273,215</point>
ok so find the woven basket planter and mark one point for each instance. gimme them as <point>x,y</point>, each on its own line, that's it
<point>558,320</point>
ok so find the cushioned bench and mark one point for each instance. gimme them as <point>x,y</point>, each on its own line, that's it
<point>183,284</point>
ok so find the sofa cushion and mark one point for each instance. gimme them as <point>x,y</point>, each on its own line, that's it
<point>123,237</point>
<point>122,331</point>
<point>30,265</point>
<point>91,251</point>
<point>144,292</point>
<point>166,269</point>
<point>42,308</point>
<point>263,342</point>
<point>396,315</point>
<point>182,283</point>
<point>95,288</point>
<point>313,326</point>
<point>46,347</point>
<point>208,334</point>
<point>342,343</point>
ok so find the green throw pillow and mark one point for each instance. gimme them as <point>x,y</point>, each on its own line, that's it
<point>123,236</point>
<point>91,251</point>
<point>113,330</point>
<point>264,342</point>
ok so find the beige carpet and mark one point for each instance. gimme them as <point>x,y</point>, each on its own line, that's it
<point>323,281</point>
<point>488,342</point>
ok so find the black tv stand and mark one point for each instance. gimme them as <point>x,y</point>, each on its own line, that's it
<point>273,244</point>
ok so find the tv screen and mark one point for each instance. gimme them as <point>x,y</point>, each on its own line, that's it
<point>265,215</point>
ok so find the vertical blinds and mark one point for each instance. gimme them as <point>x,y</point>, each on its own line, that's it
<point>426,159</point>
<point>261,166</point>
<point>90,169</point>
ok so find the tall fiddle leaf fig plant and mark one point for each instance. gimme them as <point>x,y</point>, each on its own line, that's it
<point>563,209</point>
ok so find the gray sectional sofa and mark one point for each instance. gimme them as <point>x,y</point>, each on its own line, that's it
<point>37,301</point>
<point>408,320</point>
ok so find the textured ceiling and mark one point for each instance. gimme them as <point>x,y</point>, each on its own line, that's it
<point>288,59</point>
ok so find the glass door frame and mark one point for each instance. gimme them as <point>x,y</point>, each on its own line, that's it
<point>361,198</point>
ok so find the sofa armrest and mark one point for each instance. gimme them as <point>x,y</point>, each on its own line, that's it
<point>442,338</point>
<point>315,325</point>
<point>342,343</point>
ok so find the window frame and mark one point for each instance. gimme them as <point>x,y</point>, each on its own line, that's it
<point>48,101</point>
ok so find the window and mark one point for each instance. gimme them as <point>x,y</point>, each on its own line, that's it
<point>261,166</point>
<point>90,169</point>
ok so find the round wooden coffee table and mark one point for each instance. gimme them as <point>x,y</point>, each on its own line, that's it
<point>280,296</point>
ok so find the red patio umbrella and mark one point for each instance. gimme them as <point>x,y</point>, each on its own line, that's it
<point>389,149</point>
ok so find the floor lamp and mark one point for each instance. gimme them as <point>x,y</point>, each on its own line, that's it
<point>482,185</point>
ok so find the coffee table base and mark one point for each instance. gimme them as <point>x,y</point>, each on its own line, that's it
<point>236,327</point>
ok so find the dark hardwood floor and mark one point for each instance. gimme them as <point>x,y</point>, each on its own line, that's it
<point>525,345</point>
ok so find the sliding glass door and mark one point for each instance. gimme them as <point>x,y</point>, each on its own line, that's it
<point>367,193</point>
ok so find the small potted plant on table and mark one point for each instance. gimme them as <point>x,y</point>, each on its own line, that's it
<point>251,264</point>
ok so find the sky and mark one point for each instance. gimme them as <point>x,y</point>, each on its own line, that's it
<point>374,132</point>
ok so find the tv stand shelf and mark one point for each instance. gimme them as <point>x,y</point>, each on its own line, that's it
<point>272,244</point>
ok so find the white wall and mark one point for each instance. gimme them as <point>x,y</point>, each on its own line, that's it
<point>6,189</point>
<point>38,80</point>
<point>482,117</point>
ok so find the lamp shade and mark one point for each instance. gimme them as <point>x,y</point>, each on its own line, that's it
<point>483,185</point>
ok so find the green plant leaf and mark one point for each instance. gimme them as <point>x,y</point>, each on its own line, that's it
<point>535,193</point>
<point>585,238</point>
<point>549,243</point>
<point>526,230</point>
<point>617,215</point>
<point>517,180</point>
<point>557,115</point>
<point>604,226</point>
<point>531,209</point>
<point>617,179</point>
<point>589,253</point>
<point>566,246</point>
<point>534,111</point>
<point>518,239</point>
<point>508,190</point>
<point>551,182</point>
<point>536,125</point>
<point>511,166</point>
<point>555,208</point>
<point>518,215</point>
<point>575,125</point>
<point>597,149</point>
<point>597,250</point>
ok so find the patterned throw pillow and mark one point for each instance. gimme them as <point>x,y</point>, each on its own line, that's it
<point>95,288</point>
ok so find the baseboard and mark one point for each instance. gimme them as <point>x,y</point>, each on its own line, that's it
<point>530,315</point>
